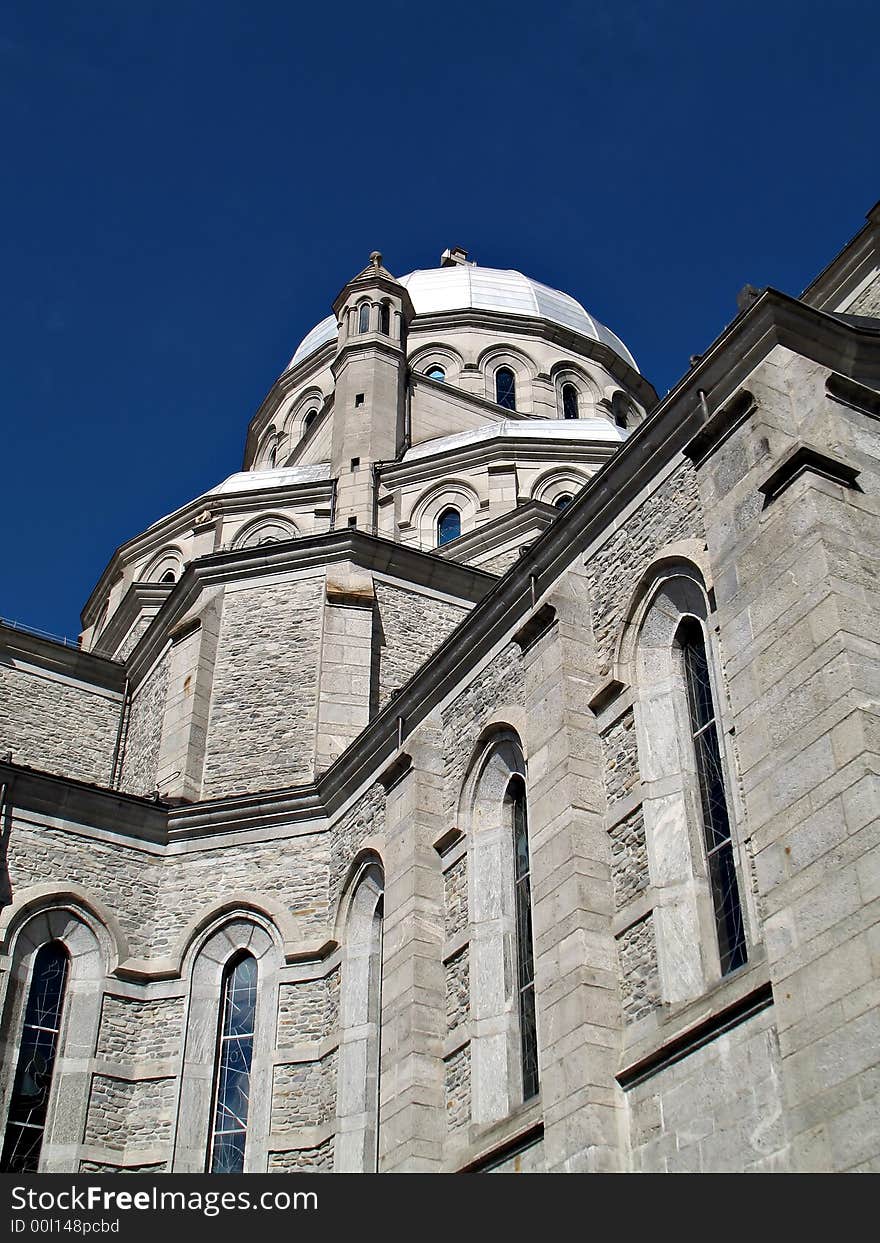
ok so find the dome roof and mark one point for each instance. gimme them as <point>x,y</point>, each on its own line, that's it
<point>464,285</point>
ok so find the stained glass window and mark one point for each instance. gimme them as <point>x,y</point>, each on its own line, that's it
<point>713,799</point>
<point>524,943</point>
<point>233,1069</point>
<point>448,526</point>
<point>36,1061</point>
<point>505,388</point>
<point>569,401</point>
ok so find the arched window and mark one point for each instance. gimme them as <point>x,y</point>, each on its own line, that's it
<point>620,410</point>
<point>360,1015</point>
<point>448,526</point>
<point>26,1122</point>
<point>168,577</point>
<point>385,318</point>
<point>505,388</point>
<point>525,955</point>
<point>713,799</point>
<point>308,421</point>
<point>364,317</point>
<point>436,373</point>
<point>232,1072</point>
<point>273,457</point>
<point>569,402</point>
<point>562,502</point>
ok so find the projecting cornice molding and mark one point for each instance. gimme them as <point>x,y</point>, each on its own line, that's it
<point>807,459</point>
<point>61,659</point>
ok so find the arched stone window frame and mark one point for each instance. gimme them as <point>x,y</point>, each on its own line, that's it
<point>294,427</point>
<point>89,947</point>
<point>169,560</point>
<point>437,355</point>
<point>267,529</point>
<point>555,483</point>
<point>523,368</point>
<point>359,929</point>
<point>267,453</point>
<point>486,815</point>
<point>231,935</point>
<point>451,493</point>
<point>672,591</point>
<point>618,403</point>
<point>365,321</point>
<point>564,373</point>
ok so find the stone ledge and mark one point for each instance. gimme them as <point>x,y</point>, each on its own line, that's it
<point>305,1137</point>
<point>492,1144</point>
<point>803,459</point>
<point>699,1022</point>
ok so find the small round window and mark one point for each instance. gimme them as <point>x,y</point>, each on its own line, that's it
<point>436,373</point>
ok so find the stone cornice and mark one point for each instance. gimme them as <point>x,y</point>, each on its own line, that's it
<point>60,658</point>
<point>138,598</point>
<point>507,447</point>
<point>123,816</point>
<point>848,266</point>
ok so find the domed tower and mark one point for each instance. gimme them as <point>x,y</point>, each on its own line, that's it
<point>373,312</point>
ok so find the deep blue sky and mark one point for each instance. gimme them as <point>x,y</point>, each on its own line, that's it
<point>186,186</point>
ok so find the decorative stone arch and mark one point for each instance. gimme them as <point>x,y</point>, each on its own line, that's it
<point>266,457</point>
<point>293,425</point>
<point>165,563</point>
<point>619,406</point>
<point>232,933</point>
<point>484,814</point>
<point>359,929</point>
<point>450,493</point>
<point>589,393</point>
<point>41,919</point>
<point>438,355</point>
<point>267,529</point>
<point>492,359</point>
<point>674,592</point>
<point>555,483</point>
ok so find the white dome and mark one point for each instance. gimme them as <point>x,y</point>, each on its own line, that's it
<point>490,289</point>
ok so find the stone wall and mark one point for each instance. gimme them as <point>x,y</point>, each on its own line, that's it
<point>143,735</point>
<point>718,1110</point>
<point>412,627</point>
<point>126,1115</point>
<point>458,1089</point>
<point>621,757</point>
<point>317,1160</point>
<point>629,859</point>
<point>144,1029</point>
<point>639,978</point>
<point>264,704</point>
<point>59,726</point>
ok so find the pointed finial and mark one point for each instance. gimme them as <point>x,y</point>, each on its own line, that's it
<point>376,258</point>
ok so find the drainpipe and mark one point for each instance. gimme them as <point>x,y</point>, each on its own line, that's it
<point>120,732</point>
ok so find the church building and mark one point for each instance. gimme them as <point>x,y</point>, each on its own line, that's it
<point>485,776</point>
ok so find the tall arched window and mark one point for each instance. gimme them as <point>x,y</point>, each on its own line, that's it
<point>360,1020</point>
<point>620,410</point>
<point>505,388</point>
<point>26,1122</point>
<point>569,402</point>
<point>232,1075</point>
<point>308,421</point>
<point>385,318</point>
<point>525,955</point>
<point>713,799</point>
<point>364,317</point>
<point>448,526</point>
